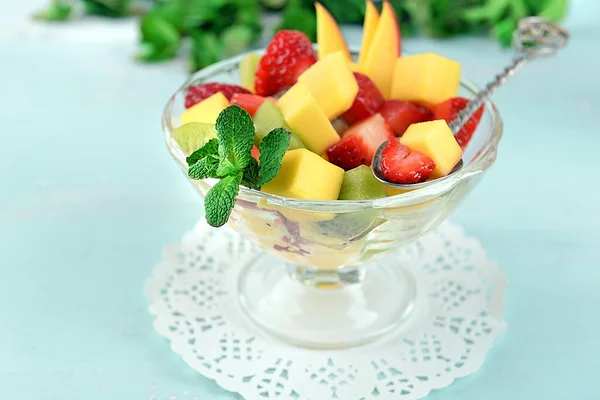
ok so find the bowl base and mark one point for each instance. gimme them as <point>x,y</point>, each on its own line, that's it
<point>327,316</point>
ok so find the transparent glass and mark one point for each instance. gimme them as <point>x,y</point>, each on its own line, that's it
<point>322,280</point>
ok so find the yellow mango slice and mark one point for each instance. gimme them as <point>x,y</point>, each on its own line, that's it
<point>206,111</point>
<point>306,119</point>
<point>354,67</point>
<point>383,51</point>
<point>305,175</point>
<point>426,78</point>
<point>248,67</point>
<point>369,26</point>
<point>331,82</point>
<point>329,35</point>
<point>435,140</point>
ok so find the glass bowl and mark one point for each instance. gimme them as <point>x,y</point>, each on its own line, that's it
<point>322,280</point>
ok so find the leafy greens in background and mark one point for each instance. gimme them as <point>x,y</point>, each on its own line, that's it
<point>221,28</point>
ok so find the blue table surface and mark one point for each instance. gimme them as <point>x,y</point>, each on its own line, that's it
<point>89,197</point>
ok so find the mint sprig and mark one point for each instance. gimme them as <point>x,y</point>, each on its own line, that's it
<point>229,159</point>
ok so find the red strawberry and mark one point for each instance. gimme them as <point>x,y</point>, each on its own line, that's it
<point>367,101</point>
<point>401,114</point>
<point>195,94</point>
<point>288,55</point>
<point>398,166</point>
<point>359,143</point>
<point>448,110</point>
<point>249,102</point>
<point>255,153</point>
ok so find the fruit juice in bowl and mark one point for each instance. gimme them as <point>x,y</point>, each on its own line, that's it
<point>259,142</point>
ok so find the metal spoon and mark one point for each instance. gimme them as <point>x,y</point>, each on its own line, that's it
<point>534,38</point>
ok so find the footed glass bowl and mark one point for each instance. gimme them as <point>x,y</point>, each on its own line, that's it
<point>322,281</point>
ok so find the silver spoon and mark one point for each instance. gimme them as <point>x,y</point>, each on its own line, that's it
<point>534,38</point>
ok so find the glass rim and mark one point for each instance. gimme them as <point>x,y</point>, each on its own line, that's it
<point>480,163</point>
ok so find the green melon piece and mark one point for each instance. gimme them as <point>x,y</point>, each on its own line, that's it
<point>191,136</point>
<point>360,184</point>
<point>267,118</point>
<point>248,67</point>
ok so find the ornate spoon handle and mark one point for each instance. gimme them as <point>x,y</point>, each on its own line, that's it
<point>534,38</point>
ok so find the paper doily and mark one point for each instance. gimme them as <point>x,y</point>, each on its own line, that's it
<point>192,298</point>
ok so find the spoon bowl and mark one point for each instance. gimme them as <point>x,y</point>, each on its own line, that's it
<point>378,174</point>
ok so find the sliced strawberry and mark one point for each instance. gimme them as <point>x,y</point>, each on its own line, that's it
<point>359,143</point>
<point>398,166</point>
<point>448,110</point>
<point>195,94</point>
<point>249,102</point>
<point>401,114</point>
<point>288,55</point>
<point>255,153</point>
<point>367,101</point>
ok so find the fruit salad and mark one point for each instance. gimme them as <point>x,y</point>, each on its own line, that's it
<point>306,123</point>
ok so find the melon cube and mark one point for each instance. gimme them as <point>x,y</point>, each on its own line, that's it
<point>435,140</point>
<point>305,175</point>
<point>206,111</point>
<point>427,78</point>
<point>306,119</point>
<point>331,81</point>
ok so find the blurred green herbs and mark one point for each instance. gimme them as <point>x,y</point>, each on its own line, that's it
<point>218,29</point>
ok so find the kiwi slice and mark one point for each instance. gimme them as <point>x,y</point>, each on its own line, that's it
<point>267,118</point>
<point>191,136</point>
<point>360,184</point>
<point>248,67</point>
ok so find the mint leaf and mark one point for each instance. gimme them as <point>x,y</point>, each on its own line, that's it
<point>57,11</point>
<point>235,132</point>
<point>250,178</point>
<point>210,148</point>
<point>207,49</point>
<point>204,168</point>
<point>160,39</point>
<point>220,199</point>
<point>107,8</point>
<point>272,149</point>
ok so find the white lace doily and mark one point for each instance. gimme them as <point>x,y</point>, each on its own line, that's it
<point>191,297</point>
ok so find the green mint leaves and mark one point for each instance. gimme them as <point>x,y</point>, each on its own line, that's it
<point>229,158</point>
<point>272,149</point>
<point>235,132</point>
<point>220,200</point>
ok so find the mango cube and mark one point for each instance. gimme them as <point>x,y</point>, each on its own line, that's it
<point>425,78</point>
<point>305,175</point>
<point>306,119</point>
<point>331,81</point>
<point>206,111</point>
<point>435,140</point>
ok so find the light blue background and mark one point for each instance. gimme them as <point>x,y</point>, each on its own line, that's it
<point>89,196</point>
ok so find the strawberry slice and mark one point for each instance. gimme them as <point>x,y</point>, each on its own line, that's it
<point>255,153</point>
<point>448,110</point>
<point>359,143</point>
<point>249,102</point>
<point>288,55</point>
<point>195,94</point>
<point>401,114</point>
<point>399,165</point>
<point>367,101</point>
